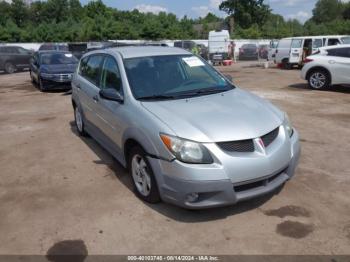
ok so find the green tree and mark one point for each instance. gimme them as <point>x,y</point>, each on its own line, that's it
<point>247,13</point>
<point>327,10</point>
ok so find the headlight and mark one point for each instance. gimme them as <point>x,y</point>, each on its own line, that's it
<point>288,125</point>
<point>187,151</point>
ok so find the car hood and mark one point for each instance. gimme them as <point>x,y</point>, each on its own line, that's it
<point>229,116</point>
<point>58,69</point>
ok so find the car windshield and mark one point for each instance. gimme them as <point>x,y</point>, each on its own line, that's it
<point>58,58</point>
<point>173,77</point>
<point>346,40</point>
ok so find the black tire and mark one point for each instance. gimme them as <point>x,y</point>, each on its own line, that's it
<point>41,85</point>
<point>286,65</point>
<point>10,68</point>
<point>153,196</point>
<point>78,116</point>
<point>31,77</point>
<point>319,79</point>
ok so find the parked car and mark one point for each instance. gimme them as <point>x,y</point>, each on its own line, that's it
<point>77,49</point>
<point>13,58</point>
<point>330,66</point>
<point>220,46</point>
<point>263,51</point>
<point>249,51</point>
<point>292,51</point>
<point>187,135</point>
<point>53,47</point>
<point>52,69</point>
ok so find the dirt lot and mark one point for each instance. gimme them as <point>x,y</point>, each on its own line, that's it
<point>56,186</point>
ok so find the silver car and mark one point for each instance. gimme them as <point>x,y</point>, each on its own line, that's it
<point>187,135</point>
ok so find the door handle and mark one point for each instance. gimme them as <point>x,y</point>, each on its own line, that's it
<point>95,98</point>
<point>331,61</point>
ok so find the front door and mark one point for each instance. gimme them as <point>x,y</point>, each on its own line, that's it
<point>110,112</point>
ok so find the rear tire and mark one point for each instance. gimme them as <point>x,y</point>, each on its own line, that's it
<point>10,68</point>
<point>319,79</point>
<point>144,182</point>
<point>79,121</point>
<point>286,65</point>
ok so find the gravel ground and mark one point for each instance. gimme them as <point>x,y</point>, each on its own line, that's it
<point>59,191</point>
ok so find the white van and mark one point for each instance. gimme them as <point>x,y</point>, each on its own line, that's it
<point>292,51</point>
<point>220,46</point>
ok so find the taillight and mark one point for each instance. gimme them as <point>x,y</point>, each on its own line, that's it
<point>307,60</point>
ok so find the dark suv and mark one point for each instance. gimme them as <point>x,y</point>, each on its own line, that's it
<point>13,58</point>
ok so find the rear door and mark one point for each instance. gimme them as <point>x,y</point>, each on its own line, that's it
<point>23,56</point>
<point>296,51</point>
<point>88,86</point>
<point>339,58</point>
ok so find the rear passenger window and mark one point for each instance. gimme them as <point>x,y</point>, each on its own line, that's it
<point>110,75</point>
<point>91,68</point>
<point>339,52</point>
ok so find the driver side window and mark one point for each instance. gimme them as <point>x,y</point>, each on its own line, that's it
<point>110,77</point>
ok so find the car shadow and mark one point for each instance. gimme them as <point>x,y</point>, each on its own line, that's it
<point>169,211</point>
<point>336,88</point>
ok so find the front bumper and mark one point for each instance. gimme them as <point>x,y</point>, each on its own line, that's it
<point>220,192</point>
<point>56,84</point>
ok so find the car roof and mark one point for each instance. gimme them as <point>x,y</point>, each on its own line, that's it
<point>52,51</point>
<point>315,36</point>
<point>334,47</point>
<point>144,51</point>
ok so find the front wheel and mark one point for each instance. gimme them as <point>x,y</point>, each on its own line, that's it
<point>319,79</point>
<point>145,184</point>
<point>41,85</point>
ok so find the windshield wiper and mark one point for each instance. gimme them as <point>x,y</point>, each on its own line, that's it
<point>203,91</point>
<point>157,97</point>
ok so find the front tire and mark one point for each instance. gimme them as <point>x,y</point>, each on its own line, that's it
<point>10,68</point>
<point>319,79</point>
<point>42,87</point>
<point>144,182</point>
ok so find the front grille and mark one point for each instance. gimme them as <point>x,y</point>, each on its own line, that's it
<point>246,146</point>
<point>270,137</point>
<point>237,146</point>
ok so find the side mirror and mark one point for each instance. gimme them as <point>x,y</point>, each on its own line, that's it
<point>111,94</point>
<point>228,77</point>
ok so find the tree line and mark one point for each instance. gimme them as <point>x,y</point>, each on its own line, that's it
<point>69,21</point>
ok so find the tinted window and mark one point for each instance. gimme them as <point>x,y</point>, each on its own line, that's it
<point>340,52</point>
<point>91,70</point>
<point>296,43</point>
<point>333,41</point>
<point>110,76</point>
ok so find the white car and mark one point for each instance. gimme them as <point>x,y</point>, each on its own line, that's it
<point>330,66</point>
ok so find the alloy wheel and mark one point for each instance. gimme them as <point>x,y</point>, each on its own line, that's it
<point>140,175</point>
<point>318,80</point>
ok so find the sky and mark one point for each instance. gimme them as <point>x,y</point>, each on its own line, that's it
<point>299,9</point>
